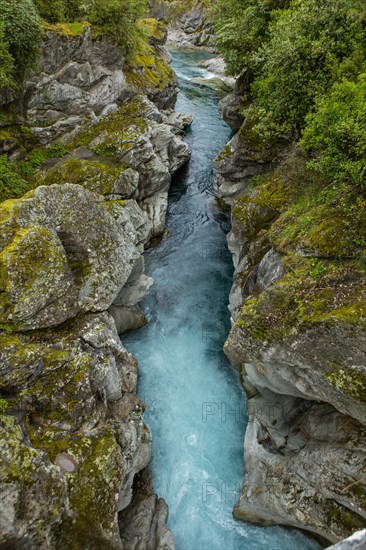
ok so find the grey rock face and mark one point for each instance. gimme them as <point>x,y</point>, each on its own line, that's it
<point>355,542</point>
<point>98,428</point>
<point>82,265</point>
<point>232,106</point>
<point>193,30</point>
<point>84,78</point>
<point>80,76</point>
<point>230,109</point>
<point>305,441</point>
<point>298,469</point>
<point>240,160</point>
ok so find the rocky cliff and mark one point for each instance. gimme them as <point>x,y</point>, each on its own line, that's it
<point>71,277</point>
<point>190,25</point>
<point>298,339</point>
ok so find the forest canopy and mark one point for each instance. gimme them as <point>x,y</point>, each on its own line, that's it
<point>307,59</point>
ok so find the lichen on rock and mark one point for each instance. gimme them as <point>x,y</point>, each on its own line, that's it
<point>298,337</point>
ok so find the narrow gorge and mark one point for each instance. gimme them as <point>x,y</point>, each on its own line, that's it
<point>179,275</point>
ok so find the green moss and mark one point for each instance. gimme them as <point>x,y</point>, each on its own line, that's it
<point>147,71</point>
<point>351,381</point>
<point>256,146</point>
<point>76,28</point>
<point>118,131</point>
<point>93,486</point>
<point>95,176</point>
<point>3,405</point>
<point>301,299</point>
<point>225,153</point>
<point>344,519</point>
<point>153,28</point>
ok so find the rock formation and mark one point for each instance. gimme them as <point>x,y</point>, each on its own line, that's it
<point>299,341</point>
<point>72,276</point>
<point>190,25</point>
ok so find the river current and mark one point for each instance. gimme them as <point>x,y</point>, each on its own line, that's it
<point>196,407</point>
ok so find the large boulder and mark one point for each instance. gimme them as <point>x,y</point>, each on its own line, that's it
<point>72,443</point>
<point>56,261</point>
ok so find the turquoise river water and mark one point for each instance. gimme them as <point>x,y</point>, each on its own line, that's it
<point>196,407</point>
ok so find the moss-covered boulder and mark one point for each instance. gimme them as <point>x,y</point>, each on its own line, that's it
<point>73,436</point>
<point>56,260</point>
<point>102,179</point>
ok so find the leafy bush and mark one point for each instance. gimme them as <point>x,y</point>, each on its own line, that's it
<point>51,11</point>
<point>23,32</point>
<point>12,184</point>
<point>61,10</point>
<point>242,27</point>
<point>336,134</point>
<point>308,44</point>
<point>117,18</point>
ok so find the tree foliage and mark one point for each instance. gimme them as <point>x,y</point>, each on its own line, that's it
<point>308,59</point>
<point>309,46</point>
<point>242,28</point>
<point>336,134</point>
<point>22,33</point>
<point>6,60</point>
<point>117,18</point>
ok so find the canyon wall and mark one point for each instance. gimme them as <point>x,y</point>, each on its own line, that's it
<point>298,339</point>
<point>72,276</point>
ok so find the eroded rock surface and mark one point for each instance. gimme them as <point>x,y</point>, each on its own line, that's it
<point>299,342</point>
<point>71,279</point>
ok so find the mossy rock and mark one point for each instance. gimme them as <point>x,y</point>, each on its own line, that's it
<point>306,295</point>
<point>76,28</point>
<point>149,72</point>
<point>155,30</point>
<point>35,274</point>
<point>57,260</point>
<point>118,131</point>
<point>97,177</point>
<point>350,381</point>
<point>33,491</point>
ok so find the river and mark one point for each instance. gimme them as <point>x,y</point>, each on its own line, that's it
<point>196,407</point>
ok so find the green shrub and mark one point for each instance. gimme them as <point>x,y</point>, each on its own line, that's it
<point>309,44</point>
<point>242,27</point>
<point>23,32</point>
<point>117,18</point>
<point>51,11</point>
<point>6,60</point>
<point>335,134</point>
<point>12,184</point>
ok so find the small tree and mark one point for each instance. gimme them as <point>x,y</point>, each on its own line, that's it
<point>22,29</point>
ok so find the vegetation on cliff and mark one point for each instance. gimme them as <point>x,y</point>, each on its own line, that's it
<point>22,23</point>
<point>307,61</point>
<point>297,51</point>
